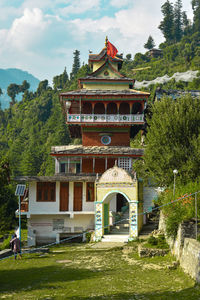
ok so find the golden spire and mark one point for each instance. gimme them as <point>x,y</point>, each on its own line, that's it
<point>106,41</point>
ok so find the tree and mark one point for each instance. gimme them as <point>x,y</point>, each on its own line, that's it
<point>8,203</point>
<point>25,86</point>
<point>76,64</point>
<point>173,139</point>
<point>150,43</point>
<point>178,21</point>
<point>1,93</point>
<point>196,12</point>
<point>186,24</point>
<point>12,90</point>
<point>43,86</point>
<point>167,24</point>
<point>60,81</point>
<point>128,56</point>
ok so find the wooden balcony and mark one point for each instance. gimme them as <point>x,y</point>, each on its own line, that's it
<point>105,118</point>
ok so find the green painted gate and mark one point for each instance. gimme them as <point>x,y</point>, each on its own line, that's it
<point>106,218</point>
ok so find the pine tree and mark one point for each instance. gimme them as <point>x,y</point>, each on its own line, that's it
<point>150,43</point>
<point>178,21</point>
<point>186,24</point>
<point>60,81</point>
<point>12,90</point>
<point>76,64</point>
<point>196,11</point>
<point>167,24</point>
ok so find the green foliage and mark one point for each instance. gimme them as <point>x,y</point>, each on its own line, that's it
<point>5,244</point>
<point>167,24</point>
<point>196,11</point>
<point>158,242</point>
<point>178,21</point>
<point>152,240</point>
<point>150,43</point>
<point>181,210</point>
<point>61,81</point>
<point>173,140</point>
<point>8,201</point>
<point>76,64</point>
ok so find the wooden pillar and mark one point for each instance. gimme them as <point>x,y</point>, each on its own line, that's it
<point>106,163</point>
<point>81,162</point>
<point>93,164</point>
<point>93,104</point>
<point>118,105</point>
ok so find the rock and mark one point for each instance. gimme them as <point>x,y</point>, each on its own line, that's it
<point>150,252</point>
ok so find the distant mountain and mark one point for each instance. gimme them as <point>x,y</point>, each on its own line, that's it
<point>8,76</point>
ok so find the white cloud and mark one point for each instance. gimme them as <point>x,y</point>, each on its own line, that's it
<point>120,3</point>
<point>128,29</point>
<point>80,7</point>
<point>27,30</point>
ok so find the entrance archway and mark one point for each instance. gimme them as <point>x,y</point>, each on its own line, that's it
<point>112,182</point>
<point>115,212</point>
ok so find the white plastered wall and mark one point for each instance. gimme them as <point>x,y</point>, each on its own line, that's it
<point>54,207</point>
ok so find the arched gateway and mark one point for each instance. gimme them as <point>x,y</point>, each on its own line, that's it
<point>113,182</point>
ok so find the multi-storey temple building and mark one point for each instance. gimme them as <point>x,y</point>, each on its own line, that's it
<point>95,180</point>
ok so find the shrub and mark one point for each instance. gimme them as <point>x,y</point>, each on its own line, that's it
<point>5,244</point>
<point>152,240</point>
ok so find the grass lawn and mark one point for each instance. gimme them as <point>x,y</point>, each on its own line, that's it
<point>79,271</point>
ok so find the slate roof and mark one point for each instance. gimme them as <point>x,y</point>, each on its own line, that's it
<point>96,150</point>
<point>86,92</point>
<point>90,77</point>
<point>58,177</point>
<point>97,57</point>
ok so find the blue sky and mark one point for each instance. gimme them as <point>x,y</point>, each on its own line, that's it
<point>39,36</point>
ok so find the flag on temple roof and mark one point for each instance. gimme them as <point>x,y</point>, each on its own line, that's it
<point>111,49</point>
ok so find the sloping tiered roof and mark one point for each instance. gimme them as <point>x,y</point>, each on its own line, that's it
<point>96,150</point>
<point>96,93</point>
<point>102,54</point>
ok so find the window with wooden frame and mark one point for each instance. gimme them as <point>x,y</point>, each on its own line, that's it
<point>46,192</point>
<point>90,191</point>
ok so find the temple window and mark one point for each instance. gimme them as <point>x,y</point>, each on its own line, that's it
<point>90,191</point>
<point>125,163</point>
<point>112,108</point>
<point>87,108</point>
<point>124,109</point>
<point>46,192</point>
<point>72,165</point>
<point>99,109</point>
<point>137,108</point>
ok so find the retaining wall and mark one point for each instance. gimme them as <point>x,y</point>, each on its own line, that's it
<point>185,247</point>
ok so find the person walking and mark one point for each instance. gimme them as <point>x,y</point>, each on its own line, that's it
<point>15,243</point>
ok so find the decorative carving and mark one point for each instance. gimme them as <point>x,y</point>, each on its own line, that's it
<point>116,175</point>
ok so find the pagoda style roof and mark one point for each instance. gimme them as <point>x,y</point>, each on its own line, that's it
<point>90,77</point>
<point>87,92</point>
<point>102,54</point>
<point>95,150</point>
<point>108,65</point>
<point>58,177</point>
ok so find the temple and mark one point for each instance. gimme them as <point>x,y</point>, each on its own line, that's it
<point>94,183</point>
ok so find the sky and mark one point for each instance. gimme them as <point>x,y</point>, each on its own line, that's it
<point>40,36</point>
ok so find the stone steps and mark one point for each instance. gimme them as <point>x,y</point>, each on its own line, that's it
<point>115,238</point>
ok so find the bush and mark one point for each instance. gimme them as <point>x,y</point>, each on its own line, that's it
<point>5,244</point>
<point>176,212</point>
<point>152,240</point>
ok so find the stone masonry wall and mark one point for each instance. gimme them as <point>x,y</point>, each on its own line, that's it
<point>185,247</point>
